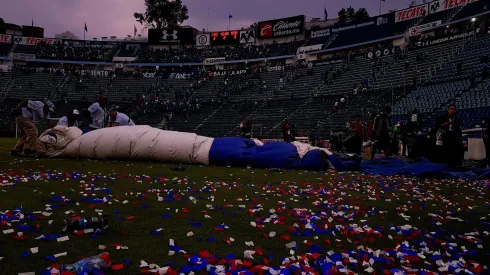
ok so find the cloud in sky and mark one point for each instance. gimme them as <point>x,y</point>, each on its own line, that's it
<point>115,17</point>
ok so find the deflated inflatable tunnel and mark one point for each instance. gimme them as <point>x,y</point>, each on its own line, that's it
<point>147,143</point>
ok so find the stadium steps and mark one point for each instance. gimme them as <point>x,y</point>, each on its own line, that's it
<point>291,115</point>
<point>207,118</point>
<point>236,129</point>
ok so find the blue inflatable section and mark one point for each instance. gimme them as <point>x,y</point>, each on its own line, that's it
<point>244,152</point>
<point>389,166</point>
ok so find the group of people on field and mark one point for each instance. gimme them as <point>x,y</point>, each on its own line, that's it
<point>30,112</point>
<point>442,144</point>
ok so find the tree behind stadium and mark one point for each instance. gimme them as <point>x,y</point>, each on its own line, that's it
<point>162,14</point>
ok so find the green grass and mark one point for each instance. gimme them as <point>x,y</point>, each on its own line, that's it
<point>230,187</point>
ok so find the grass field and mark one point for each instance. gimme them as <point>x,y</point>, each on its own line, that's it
<point>398,223</point>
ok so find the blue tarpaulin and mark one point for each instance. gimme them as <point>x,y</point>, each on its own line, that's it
<point>421,167</point>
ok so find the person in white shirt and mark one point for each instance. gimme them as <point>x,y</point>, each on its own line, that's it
<point>71,119</point>
<point>120,119</point>
<point>97,114</point>
<point>26,114</point>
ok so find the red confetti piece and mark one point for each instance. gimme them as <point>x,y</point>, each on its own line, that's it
<point>117,266</point>
<point>130,218</point>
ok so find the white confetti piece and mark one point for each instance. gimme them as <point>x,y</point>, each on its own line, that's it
<point>8,231</point>
<point>143,263</point>
<point>34,250</point>
<point>190,234</point>
<point>291,245</point>
<point>60,254</point>
<point>247,254</point>
<point>63,239</point>
<point>102,247</point>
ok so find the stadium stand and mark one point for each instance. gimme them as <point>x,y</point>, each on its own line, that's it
<point>214,101</point>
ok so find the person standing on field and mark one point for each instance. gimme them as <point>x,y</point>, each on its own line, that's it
<point>26,114</point>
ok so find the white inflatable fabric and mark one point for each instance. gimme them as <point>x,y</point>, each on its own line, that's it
<point>127,142</point>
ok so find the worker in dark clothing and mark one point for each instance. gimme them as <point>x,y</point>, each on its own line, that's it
<point>382,132</point>
<point>286,131</point>
<point>447,138</point>
<point>410,131</point>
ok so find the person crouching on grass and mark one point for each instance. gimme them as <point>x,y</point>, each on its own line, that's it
<point>26,114</point>
<point>70,120</point>
<point>119,119</point>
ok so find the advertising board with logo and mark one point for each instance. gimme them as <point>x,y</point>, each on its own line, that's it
<point>451,37</point>
<point>301,52</point>
<point>22,56</point>
<point>181,75</point>
<point>5,38</point>
<point>411,13</point>
<point>417,30</point>
<point>319,33</point>
<point>171,36</point>
<point>35,40</point>
<point>212,61</point>
<point>281,27</point>
<point>203,39</point>
<point>442,5</point>
<point>247,36</point>
<point>230,72</point>
<point>382,52</point>
<point>91,44</point>
<point>225,38</point>
<point>329,61</point>
<point>373,22</point>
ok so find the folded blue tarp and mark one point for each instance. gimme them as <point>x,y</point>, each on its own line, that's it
<point>421,167</point>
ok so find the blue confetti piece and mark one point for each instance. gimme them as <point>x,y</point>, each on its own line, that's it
<point>127,261</point>
<point>50,258</point>
<point>197,224</point>
<point>144,206</point>
<point>166,216</point>
<point>25,255</point>
<point>211,239</point>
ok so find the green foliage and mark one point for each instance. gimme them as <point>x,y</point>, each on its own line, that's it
<point>163,14</point>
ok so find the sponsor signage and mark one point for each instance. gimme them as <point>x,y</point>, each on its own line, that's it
<point>212,61</point>
<point>300,53</point>
<point>230,72</point>
<point>320,33</point>
<point>171,36</point>
<point>329,61</point>
<point>281,27</point>
<point>436,41</point>
<point>182,75</point>
<point>22,56</point>
<point>411,13</point>
<point>203,39</point>
<point>124,59</point>
<point>5,38</point>
<point>377,21</point>
<point>442,5</point>
<point>225,38</point>
<point>35,40</point>
<point>92,44</point>
<point>382,52</point>
<point>247,36</point>
<point>417,30</point>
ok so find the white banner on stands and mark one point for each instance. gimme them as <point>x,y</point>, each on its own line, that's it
<point>35,40</point>
<point>417,30</point>
<point>123,59</point>
<point>212,61</point>
<point>203,39</point>
<point>301,52</point>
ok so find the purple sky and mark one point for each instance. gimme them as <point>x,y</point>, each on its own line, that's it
<point>115,17</point>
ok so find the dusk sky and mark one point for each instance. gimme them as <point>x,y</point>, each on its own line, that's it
<point>115,17</point>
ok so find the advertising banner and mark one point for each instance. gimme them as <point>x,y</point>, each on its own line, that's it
<point>247,36</point>
<point>123,59</point>
<point>373,22</point>
<point>22,56</point>
<point>320,33</point>
<point>171,36</point>
<point>5,38</point>
<point>34,40</point>
<point>329,61</point>
<point>439,40</point>
<point>411,13</point>
<point>203,39</point>
<point>212,61</point>
<point>230,72</point>
<point>301,52</point>
<point>281,27</point>
<point>442,5</point>
<point>417,30</point>
<point>382,52</point>
<point>182,75</point>
<point>91,44</point>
